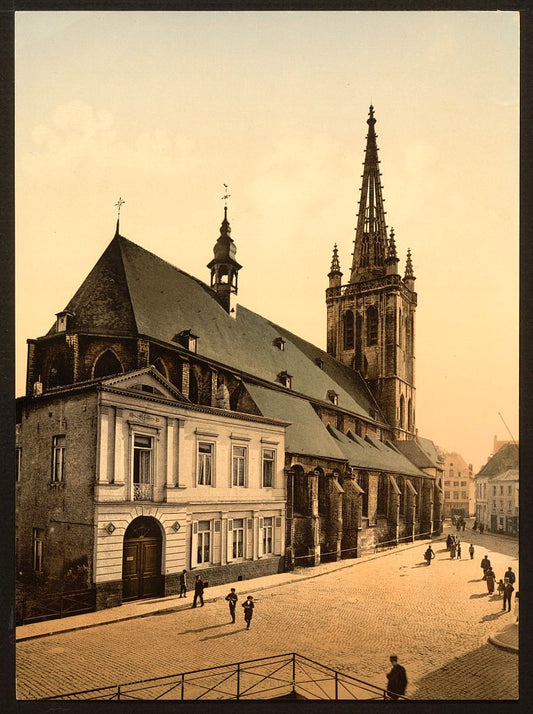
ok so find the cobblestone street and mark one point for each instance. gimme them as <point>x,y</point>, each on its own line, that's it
<point>436,619</point>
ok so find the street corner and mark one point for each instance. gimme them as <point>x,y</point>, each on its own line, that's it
<point>506,639</point>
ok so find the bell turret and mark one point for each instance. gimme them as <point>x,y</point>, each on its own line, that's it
<point>224,268</point>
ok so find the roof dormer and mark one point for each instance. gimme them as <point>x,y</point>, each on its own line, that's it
<point>62,321</point>
<point>187,339</point>
<point>286,379</point>
<point>279,342</point>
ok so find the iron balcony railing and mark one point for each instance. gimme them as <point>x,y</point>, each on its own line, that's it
<point>143,492</point>
<point>286,676</point>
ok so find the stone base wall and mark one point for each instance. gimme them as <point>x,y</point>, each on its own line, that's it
<point>232,573</point>
<point>108,594</point>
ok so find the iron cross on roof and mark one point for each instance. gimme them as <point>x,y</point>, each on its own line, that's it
<point>226,195</point>
<point>119,203</point>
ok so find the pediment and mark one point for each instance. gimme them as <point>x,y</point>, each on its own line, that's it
<point>147,382</point>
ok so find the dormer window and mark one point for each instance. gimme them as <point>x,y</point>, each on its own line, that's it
<point>279,342</point>
<point>333,397</point>
<point>62,320</point>
<point>286,379</point>
<point>319,362</point>
<point>186,339</point>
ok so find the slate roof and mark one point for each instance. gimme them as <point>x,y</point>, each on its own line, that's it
<point>413,450</point>
<point>372,453</point>
<point>131,291</point>
<point>507,457</point>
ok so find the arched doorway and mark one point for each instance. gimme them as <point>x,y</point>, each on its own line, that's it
<point>141,561</point>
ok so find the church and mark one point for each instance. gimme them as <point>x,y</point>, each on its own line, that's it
<point>167,428</point>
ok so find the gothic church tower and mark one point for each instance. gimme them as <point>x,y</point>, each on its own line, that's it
<point>371,320</point>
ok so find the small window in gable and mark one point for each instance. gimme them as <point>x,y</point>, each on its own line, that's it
<point>186,339</point>
<point>333,397</point>
<point>279,342</point>
<point>286,379</point>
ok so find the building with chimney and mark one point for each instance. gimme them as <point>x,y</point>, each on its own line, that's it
<point>319,432</point>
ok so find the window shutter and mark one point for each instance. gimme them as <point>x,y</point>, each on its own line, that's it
<point>276,536</point>
<point>194,544</point>
<point>230,540</point>
<point>248,553</point>
<point>217,544</point>
<point>260,544</point>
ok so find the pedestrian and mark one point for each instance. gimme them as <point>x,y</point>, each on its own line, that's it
<point>509,575</point>
<point>396,679</point>
<point>449,540</point>
<point>471,551</point>
<point>516,598</point>
<point>481,528</point>
<point>429,555</point>
<point>491,580</point>
<point>485,565</point>
<point>232,598</point>
<point>183,584</point>
<point>507,594</point>
<point>501,587</point>
<point>452,550</point>
<point>474,527</point>
<point>459,550</point>
<point>198,591</point>
<point>248,610</point>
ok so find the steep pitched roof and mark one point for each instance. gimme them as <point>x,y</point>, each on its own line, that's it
<point>131,291</point>
<point>507,457</point>
<point>415,453</point>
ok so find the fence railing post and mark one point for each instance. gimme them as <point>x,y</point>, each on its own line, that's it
<point>294,673</point>
<point>183,686</point>
<point>336,685</point>
<point>238,680</point>
<point>118,691</point>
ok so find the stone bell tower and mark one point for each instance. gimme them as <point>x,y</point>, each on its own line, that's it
<point>371,319</point>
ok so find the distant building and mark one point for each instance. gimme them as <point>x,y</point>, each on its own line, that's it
<point>459,486</point>
<point>497,492</point>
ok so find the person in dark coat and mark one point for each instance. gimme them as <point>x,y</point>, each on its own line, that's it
<point>248,610</point>
<point>232,598</point>
<point>449,541</point>
<point>183,584</point>
<point>507,594</point>
<point>471,551</point>
<point>198,591</point>
<point>396,679</point>
<point>458,550</point>
<point>429,555</point>
<point>509,575</point>
<point>485,565</point>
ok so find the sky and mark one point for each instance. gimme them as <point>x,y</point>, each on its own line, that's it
<point>164,108</point>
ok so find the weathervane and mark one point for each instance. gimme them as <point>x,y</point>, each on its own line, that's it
<point>226,195</point>
<point>119,204</point>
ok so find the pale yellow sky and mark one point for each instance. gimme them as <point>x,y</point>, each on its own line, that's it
<point>162,108</point>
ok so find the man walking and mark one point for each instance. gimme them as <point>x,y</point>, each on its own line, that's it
<point>396,679</point>
<point>507,594</point>
<point>183,584</point>
<point>485,565</point>
<point>429,555</point>
<point>471,551</point>
<point>458,550</point>
<point>232,598</point>
<point>198,591</point>
<point>248,610</point>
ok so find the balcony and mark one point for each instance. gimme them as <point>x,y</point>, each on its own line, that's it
<point>143,492</point>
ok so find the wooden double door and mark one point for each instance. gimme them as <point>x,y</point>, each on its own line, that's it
<point>141,563</point>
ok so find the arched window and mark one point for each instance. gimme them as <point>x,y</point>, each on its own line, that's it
<point>408,340</point>
<point>383,495</point>
<point>371,325</point>
<point>348,322</point>
<point>409,415</point>
<point>365,252</point>
<point>161,367</point>
<point>402,411</point>
<point>362,480</point>
<point>400,330</point>
<point>107,364</point>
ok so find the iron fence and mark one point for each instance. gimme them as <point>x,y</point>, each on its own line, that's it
<point>56,605</point>
<point>279,676</point>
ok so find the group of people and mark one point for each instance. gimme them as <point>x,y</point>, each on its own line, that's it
<point>231,598</point>
<point>476,527</point>
<point>505,586</point>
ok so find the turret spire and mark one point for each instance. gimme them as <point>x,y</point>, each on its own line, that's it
<point>335,274</point>
<point>409,277</point>
<point>224,268</point>
<point>370,247</point>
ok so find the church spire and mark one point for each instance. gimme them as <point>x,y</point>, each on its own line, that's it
<point>370,245</point>
<point>392,259</point>
<point>224,268</point>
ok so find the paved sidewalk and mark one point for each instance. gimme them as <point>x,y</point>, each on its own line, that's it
<point>173,603</point>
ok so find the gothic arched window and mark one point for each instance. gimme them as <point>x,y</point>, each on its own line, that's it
<point>107,364</point>
<point>362,480</point>
<point>383,495</point>
<point>348,323</point>
<point>400,331</point>
<point>365,252</point>
<point>402,411</point>
<point>409,415</point>
<point>371,325</point>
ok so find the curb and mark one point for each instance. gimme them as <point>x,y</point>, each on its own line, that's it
<point>501,639</point>
<point>180,606</point>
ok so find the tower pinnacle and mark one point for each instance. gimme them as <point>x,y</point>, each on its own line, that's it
<point>370,246</point>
